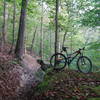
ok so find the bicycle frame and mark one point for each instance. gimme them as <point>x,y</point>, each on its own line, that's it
<point>69,59</point>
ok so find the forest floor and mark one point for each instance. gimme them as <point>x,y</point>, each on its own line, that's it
<point>19,82</point>
<point>68,85</point>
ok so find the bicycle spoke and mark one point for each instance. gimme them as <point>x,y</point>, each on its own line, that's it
<point>84,65</point>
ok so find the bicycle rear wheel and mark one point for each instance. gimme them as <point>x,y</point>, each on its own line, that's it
<point>84,64</point>
<point>60,62</point>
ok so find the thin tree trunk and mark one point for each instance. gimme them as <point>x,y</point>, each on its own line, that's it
<point>13,31</point>
<point>71,43</point>
<point>4,27</point>
<point>56,30</point>
<point>41,37</point>
<point>56,27</point>
<point>33,39</point>
<point>50,42</point>
<point>64,38</point>
<point>20,48</point>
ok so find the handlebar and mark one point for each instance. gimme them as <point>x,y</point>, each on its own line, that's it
<point>82,48</point>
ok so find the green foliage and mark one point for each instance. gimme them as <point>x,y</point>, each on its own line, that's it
<point>91,21</point>
<point>91,16</point>
<point>94,45</point>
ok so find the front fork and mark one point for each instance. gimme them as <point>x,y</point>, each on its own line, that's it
<point>82,60</point>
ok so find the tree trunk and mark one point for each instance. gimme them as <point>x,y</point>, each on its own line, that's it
<point>41,37</point>
<point>50,42</point>
<point>64,38</point>
<point>71,44</point>
<point>4,27</point>
<point>33,39</point>
<point>56,30</point>
<point>20,48</point>
<point>56,27</point>
<point>13,31</point>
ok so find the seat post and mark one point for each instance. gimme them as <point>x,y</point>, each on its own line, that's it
<point>66,53</point>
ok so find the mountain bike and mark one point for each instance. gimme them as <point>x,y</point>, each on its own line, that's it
<point>59,60</point>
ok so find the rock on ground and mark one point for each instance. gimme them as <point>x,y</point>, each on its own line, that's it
<point>16,81</point>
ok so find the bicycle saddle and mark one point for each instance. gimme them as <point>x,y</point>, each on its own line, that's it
<point>64,48</point>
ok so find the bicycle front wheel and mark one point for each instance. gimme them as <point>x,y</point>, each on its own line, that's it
<point>84,64</point>
<point>58,61</point>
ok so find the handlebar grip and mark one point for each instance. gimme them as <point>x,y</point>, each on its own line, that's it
<point>82,48</point>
